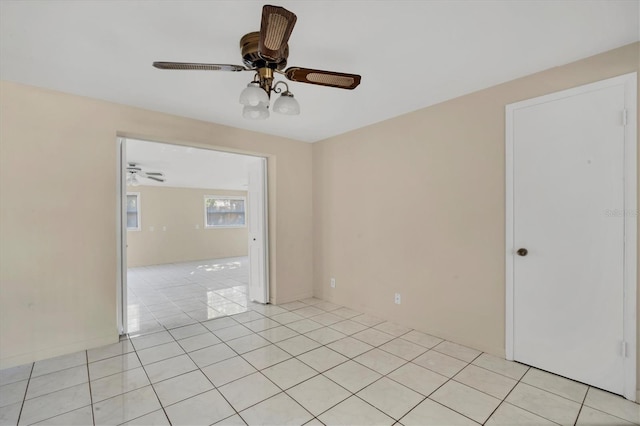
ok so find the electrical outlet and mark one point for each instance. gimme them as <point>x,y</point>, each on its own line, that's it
<point>333,283</point>
<point>398,299</point>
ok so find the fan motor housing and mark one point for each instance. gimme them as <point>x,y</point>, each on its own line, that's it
<point>251,57</point>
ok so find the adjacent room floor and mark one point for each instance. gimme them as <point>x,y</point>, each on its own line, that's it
<point>306,362</point>
<point>165,296</point>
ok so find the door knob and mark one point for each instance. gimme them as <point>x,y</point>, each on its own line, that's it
<point>522,252</point>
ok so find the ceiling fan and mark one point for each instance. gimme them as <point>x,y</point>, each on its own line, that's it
<point>134,172</point>
<point>265,53</point>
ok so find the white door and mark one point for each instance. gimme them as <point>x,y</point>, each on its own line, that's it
<point>567,241</point>
<point>257,221</point>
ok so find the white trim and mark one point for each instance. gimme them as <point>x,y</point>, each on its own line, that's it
<point>224,197</point>
<point>265,196</point>
<point>258,227</point>
<point>138,211</point>
<point>629,81</point>
<point>509,233</point>
<point>631,234</point>
<point>121,237</point>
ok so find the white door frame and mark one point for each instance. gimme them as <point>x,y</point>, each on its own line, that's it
<point>630,214</point>
<point>259,204</point>
<point>121,236</point>
<point>121,227</point>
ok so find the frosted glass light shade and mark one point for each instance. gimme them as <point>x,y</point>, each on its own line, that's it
<point>132,180</point>
<point>260,112</point>
<point>286,104</point>
<point>254,95</point>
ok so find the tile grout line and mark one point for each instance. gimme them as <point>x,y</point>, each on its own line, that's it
<point>581,405</point>
<point>495,372</point>
<point>198,368</point>
<point>553,393</point>
<point>504,401</point>
<point>259,371</point>
<point>506,396</point>
<point>353,359</point>
<point>436,389</point>
<point>57,390</point>
<point>609,414</point>
<point>386,376</point>
<point>93,417</point>
<point>382,376</point>
<point>49,393</point>
<point>152,388</point>
<point>24,398</point>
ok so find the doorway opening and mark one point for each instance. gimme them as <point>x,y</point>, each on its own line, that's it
<point>192,235</point>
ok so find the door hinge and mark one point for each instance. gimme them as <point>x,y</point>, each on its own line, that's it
<point>624,117</point>
<point>623,349</point>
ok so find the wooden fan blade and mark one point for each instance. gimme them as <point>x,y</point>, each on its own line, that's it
<point>155,178</point>
<point>197,66</point>
<point>323,78</point>
<point>275,30</point>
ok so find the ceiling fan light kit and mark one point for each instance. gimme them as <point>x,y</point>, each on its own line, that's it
<point>259,112</point>
<point>134,172</point>
<point>286,104</point>
<point>265,53</point>
<point>254,96</point>
<point>132,180</point>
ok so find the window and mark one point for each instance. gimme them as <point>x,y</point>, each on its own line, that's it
<point>133,211</point>
<point>224,212</point>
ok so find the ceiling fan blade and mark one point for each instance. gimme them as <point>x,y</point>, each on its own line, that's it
<point>197,66</point>
<point>133,169</point>
<point>155,178</point>
<point>323,78</point>
<point>275,30</point>
<point>154,174</point>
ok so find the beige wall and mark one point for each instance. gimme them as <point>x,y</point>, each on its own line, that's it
<point>58,213</point>
<point>415,205</point>
<point>412,205</point>
<point>172,228</point>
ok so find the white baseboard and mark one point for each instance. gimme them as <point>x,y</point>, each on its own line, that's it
<point>291,299</point>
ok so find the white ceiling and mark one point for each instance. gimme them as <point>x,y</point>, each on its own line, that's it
<point>411,54</point>
<point>188,167</point>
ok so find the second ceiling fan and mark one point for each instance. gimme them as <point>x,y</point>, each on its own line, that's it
<point>265,53</point>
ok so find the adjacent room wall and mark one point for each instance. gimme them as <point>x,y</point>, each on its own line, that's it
<point>172,228</point>
<point>58,213</point>
<point>415,205</point>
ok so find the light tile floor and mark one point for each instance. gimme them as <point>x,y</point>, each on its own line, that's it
<point>306,362</point>
<point>165,296</point>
